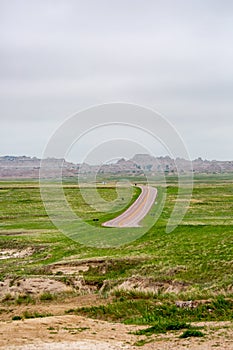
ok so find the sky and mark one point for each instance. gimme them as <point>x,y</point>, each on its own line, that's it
<point>58,57</point>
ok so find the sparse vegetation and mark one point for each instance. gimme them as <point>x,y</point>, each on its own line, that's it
<point>143,311</point>
<point>47,296</point>
<point>192,333</point>
<point>24,299</point>
<point>28,314</point>
<point>8,298</point>
<point>16,318</point>
<point>163,327</point>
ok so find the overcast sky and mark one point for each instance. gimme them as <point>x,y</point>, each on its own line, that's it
<point>60,56</point>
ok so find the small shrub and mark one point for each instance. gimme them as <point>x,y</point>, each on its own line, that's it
<point>16,318</point>
<point>221,304</point>
<point>8,297</point>
<point>59,273</point>
<point>27,314</point>
<point>133,294</point>
<point>2,311</point>
<point>175,326</point>
<point>140,342</point>
<point>70,311</point>
<point>46,296</point>
<point>191,333</point>
<point>163,327</point>
<point>24,299</point>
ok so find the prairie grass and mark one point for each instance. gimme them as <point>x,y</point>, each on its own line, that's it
<point>163,315</point>
<point>197,255</point>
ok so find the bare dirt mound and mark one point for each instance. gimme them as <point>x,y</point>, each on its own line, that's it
<point>148,285</point>
<point>32,286</point>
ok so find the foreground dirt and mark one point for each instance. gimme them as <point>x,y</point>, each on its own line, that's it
<point>68,331</point>
<point>71,332</point>
<point>63,331</point>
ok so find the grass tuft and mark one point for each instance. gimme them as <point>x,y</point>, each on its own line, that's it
<point>16,318</point>
<point>162,327</point>
<point>192,333</point>
<point>47,296</point>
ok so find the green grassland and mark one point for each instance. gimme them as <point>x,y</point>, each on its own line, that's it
<point>197,256</point>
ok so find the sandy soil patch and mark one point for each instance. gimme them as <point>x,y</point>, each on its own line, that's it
<point>56,307</point>
<point>67,329</point>
<point>82,345</point>
<point>69,270</point>
<point>15,253</point>
<point>141,284</point>
<point>72,332</point>
<point>32,286</point>
<point>78,267</point>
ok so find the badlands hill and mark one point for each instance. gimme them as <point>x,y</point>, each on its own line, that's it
<point>28,167</point>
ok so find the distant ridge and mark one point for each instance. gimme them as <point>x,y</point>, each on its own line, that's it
<point>29,167</point>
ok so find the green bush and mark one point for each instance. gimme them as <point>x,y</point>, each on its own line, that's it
<point>24,299</point>
<point>16,318</point>
<point>46,296</point>
<point>27,314</point>
<point>162,327</point>
<point>191,333</point>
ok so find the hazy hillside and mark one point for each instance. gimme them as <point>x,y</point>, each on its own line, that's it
<point>27,167</point>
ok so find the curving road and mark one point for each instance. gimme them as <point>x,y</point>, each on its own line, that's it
<point>137,211</point>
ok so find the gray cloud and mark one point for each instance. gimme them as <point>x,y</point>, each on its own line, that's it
<point>60,56</point>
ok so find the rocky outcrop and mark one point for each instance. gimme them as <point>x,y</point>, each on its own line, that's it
<point>29,168</point>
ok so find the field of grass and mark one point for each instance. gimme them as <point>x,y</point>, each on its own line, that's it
<point>194,262</point>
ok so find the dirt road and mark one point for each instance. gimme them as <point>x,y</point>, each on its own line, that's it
<point>137,211</point>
